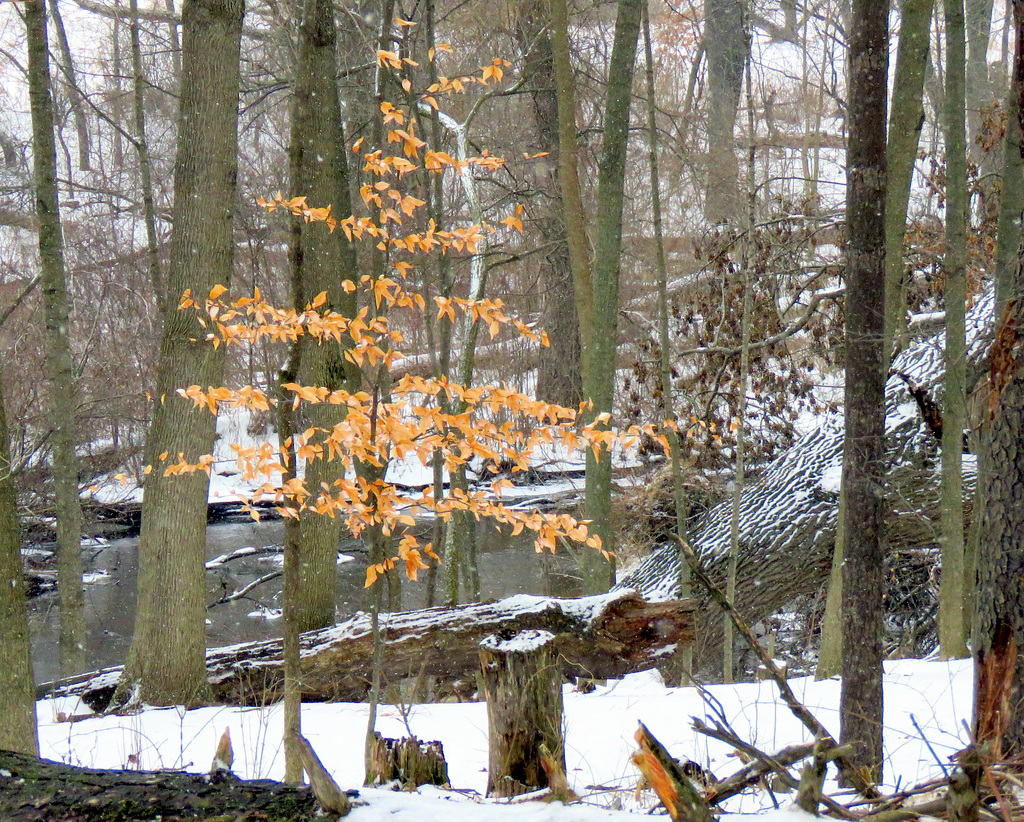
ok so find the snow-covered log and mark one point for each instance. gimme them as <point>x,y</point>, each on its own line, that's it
<point>602,636</point>
<point>788,515</point>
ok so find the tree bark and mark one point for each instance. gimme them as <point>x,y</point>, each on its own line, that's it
<point>559,375</point>
<point>568,177</point>
<point>953,621</point>
<point>864,441</point>
<point>905,125</point>
<point>523,687</point>
<point>165,662</point>
<point>595,637</point>
<point>998,662</point>
<point>321,262</point>
<point>599,373</point>
<point>63,395</point>
<point>726,45</point>
<point>17,692</point>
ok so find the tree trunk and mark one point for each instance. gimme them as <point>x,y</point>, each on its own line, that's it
<point>17,692</point>
<point>998,662</point>
<point>559,376</point>
<point>1011,202</point>
<point>905,125</point>
<point>864,441</point>
<point>595,637</point>
<point>667,405</point>
<point>166,661</point>
<point>953,622</point>
<point>523,688</point>
<point>63,395</point>
<point>568,177</point>
<point>321,262</point>
<point>726,45</point>
<point>599,373</point>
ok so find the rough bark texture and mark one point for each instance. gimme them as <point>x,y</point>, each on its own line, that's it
<point>559,375</point>
<point>37,790</point>
<point>864,444</point>
<point>60,370</point>
<point>999,666</point>
<point>1011,201</point>
<point>321,261</point>
<point>599,374</point>
<point>523,687</point>
<point>726,44</point>
<point>953,618</point>
<point>604,636</point>
<point>166,660</point>
<point>17,693</point>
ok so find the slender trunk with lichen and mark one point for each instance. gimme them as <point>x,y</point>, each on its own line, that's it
<point>322,262</point>
<point>905,124</point>
<point>599,371</point>
<point>568,176</point>
<point>860,709</point>
<point>668,411</point>
<point>953,620</point>
<point>145,166</point>
<point>744,383</point>
<point>17,688</point>
<point>166,661</point>
<point>60,369</point>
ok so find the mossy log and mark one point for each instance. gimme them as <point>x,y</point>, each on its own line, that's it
<point>600,637</point>
<point>38,790</point>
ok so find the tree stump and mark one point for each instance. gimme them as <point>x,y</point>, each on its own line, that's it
<point>411,762</point>
<point>523,687</point>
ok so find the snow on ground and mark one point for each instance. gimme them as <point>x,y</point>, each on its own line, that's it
<point>599,741</point>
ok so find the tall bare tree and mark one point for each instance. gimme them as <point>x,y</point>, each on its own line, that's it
<point>166,662</point>
<point>599,372</point>
<point>863,450</point>
<point>998,660</point>
<point>60,368</point>
<point>953,620</point>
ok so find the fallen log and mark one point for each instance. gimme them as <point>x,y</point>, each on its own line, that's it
<point>598,637</point>
<point>787,518</point>
<point>38,790</point>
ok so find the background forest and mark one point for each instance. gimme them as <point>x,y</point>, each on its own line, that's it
<point>723,215</point>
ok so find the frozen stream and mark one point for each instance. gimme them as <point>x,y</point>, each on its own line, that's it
<point>507,566</point>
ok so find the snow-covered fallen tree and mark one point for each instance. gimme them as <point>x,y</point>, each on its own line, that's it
<point>602,636</point>
<point>788,514</point>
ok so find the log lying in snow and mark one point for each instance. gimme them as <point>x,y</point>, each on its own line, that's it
<point>788,514</point>
<point>33,790</point>
<point>603,636</point>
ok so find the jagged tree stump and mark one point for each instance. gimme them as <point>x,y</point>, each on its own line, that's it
<point>411,762</point>
<point>523,686</point>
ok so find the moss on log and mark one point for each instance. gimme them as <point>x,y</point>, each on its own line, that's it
<point>38,790</point>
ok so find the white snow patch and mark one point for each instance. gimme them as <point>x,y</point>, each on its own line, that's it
<point>523,642</point>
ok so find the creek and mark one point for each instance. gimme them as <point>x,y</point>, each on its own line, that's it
<point>508,565</point>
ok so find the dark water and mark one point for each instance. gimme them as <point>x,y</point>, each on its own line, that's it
<point>507,566</point>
